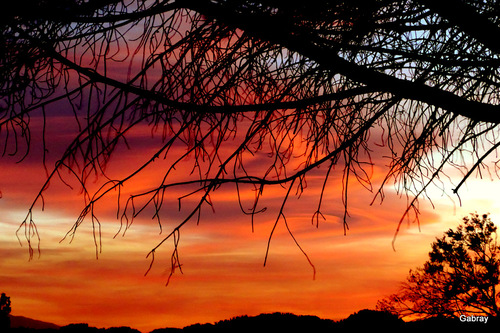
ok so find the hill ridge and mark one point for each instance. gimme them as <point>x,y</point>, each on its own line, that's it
<point>22,321</point>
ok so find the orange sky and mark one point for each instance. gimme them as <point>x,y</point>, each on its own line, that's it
<point>223,274</point>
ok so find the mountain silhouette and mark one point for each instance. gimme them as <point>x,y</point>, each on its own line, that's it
<point>21,321</point>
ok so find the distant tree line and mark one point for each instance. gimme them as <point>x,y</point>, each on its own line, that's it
<point>363,321</point>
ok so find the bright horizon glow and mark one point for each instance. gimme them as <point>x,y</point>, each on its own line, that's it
<point>223,274</point>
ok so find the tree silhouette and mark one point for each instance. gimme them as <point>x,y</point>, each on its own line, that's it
<point>4,311</point>
<point>309,87</point>
<point>460,277</point>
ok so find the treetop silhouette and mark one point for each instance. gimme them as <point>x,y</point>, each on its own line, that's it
<point>309,87</point>
<point>5,311</point>
<point>460,278</point>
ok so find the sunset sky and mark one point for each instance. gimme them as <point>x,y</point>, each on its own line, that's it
<point>223,273</point>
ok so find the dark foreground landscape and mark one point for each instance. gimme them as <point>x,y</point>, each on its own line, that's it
<point>364,320</point>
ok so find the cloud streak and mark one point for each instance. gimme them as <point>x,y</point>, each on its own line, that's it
<point>222,257</point>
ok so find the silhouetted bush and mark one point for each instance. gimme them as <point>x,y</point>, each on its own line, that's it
<point>366,320</point>
<point>78,328</point>
<point>274,322</point>
<point>167,330</point>
<point>122,329</point>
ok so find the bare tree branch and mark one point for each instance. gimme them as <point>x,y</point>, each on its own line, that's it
<point>229,83</point>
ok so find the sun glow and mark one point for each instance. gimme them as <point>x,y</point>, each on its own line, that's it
<point>222,258</point>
